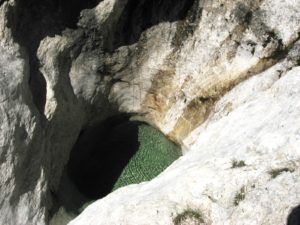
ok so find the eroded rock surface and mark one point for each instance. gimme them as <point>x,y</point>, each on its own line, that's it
<point>241,165</point>
<point>221,78</point>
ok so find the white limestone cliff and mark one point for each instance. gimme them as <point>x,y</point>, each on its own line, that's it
<point>223,82</point>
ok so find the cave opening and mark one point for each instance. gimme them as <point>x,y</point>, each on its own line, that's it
<point>139,15</point>
<point>110,155</point>
<point>100,155</point>
<point>294,216</point>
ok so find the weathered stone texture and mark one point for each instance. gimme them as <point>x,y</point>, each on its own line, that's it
<point>220,78</point>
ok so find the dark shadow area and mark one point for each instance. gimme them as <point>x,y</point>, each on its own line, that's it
<point>294,217</point>
<point>95,164</point>
<point>70,9</point>
<point>100,155</point>
<point>37,19</point>
<point>140,15</point>
<point>113,154</point>
<point>2,1</point>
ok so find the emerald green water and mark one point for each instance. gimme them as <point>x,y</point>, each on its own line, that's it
<point>106,157</point>
<point>155,153</point>
<point>118,153</point>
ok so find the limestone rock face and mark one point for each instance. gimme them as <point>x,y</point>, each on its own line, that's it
<point>33,146</point>
<point>221,78</point>
<point>223,82</point>
<point>240,167</point>
<point>176,71</point>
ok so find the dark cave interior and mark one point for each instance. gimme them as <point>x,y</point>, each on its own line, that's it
<point>294,216</point>
<point>100,155</point>
<point>112,154</point>
<point>65,12</point>
<point>95,164</point>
